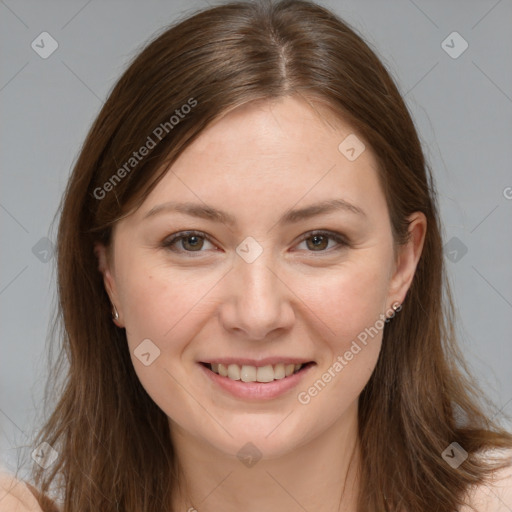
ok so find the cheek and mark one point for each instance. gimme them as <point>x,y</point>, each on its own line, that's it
<point>351,303</point>
<point>156,303</point>
<point>167,305</point>
<point>348,300</point>
<point>164,307</point>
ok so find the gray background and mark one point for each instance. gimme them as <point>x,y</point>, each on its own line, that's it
<point>462,107</point>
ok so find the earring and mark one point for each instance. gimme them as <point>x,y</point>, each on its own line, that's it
<point>396,308</point>
<point>115,314</point>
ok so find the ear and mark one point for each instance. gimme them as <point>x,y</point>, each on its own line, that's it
<point>407,259</point>
<point>102,254</point>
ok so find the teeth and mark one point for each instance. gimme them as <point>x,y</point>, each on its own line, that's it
<point>234,372</point>
<point>265,373</point>
<point>247,373</point>
<point>279,371</point>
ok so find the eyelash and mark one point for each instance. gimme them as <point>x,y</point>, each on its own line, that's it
<point>170,242</point>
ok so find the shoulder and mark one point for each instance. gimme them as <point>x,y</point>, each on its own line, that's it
<point>494,495</point>
<point>19,496</point>
<point>15,495</point>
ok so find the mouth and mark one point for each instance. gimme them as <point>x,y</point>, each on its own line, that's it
<point>256,383</point>
<point>260,374</point>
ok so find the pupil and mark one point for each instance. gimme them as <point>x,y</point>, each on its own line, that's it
<point>318,241</point>
<point>193,241</point>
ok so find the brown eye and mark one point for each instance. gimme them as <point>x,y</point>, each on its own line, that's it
<point>187,242</point>
<point>319,241</point>
<point>192,243</point>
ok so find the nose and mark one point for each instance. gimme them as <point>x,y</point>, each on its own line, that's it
<point>258,303</point>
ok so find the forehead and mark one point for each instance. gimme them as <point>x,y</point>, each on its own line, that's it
<point>269,156</point>
<point>283,129</point>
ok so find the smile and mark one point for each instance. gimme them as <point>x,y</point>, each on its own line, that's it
<point>248,373</point>
<point>255,382</point>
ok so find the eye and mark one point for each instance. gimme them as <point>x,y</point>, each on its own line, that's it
<point>194,241</point>
<point>318,241</point>
<point>190,241</point>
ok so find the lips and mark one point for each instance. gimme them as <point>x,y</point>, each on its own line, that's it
<point>256,362</point>
<point>251,389</point>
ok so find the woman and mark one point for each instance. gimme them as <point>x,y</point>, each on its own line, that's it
<point>251,282</point>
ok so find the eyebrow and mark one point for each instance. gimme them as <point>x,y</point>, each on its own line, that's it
<point>292,216</point>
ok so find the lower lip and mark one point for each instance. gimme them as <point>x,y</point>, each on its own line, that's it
<point>257,390</point>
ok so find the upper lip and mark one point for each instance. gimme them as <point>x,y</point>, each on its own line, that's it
<point>257,362</point>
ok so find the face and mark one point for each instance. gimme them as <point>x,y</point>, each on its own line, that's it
<point>276,281</point>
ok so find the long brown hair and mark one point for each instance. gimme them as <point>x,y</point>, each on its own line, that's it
<point>113,442</point>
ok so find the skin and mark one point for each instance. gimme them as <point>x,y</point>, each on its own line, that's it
<point>298,300</point>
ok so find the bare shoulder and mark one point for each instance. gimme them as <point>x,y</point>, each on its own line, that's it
<point>15,496</point>
<point>496,494</point>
